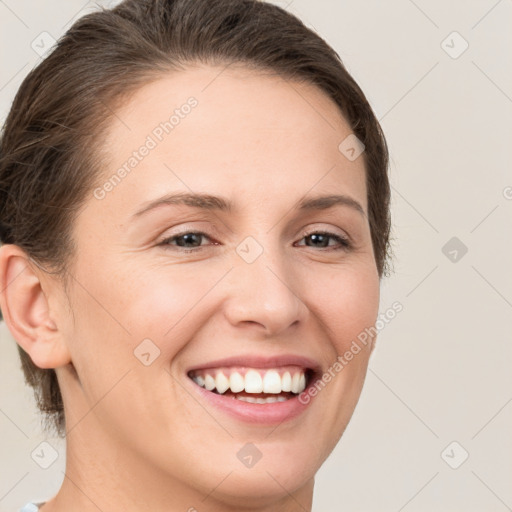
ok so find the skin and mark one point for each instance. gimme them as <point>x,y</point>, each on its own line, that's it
<point>136,439</point>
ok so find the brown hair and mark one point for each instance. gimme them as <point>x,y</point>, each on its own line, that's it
<point>49,148</point>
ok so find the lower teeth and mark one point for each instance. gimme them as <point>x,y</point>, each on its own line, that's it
<point>267,400</point>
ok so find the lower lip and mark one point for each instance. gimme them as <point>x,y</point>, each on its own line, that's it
<point>267,414</point>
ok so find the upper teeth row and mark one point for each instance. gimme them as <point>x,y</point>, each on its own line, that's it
<point>253,382</point>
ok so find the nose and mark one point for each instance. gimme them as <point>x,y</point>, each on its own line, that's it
<point>264,294</point>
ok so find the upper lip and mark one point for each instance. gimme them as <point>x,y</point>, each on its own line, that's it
<point>257,361</point>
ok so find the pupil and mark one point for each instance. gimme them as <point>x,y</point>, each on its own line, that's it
<point>192,238</point>
<point>318,237</point>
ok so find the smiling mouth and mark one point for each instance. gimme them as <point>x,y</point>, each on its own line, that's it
<point>254,385</point>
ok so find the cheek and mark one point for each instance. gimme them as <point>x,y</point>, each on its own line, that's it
<point>126,304</point>
<point>347,302</point>
<point>167,303</point>
<point>122,314</point>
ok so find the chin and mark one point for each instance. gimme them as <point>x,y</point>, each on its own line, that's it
<point>260,487</point>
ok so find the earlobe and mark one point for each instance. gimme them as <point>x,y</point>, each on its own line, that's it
<point>26,310</point>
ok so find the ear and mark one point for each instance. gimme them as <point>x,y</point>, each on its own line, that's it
<point>25,290</point>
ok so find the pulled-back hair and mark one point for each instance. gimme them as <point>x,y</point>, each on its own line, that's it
<point>51,140</point>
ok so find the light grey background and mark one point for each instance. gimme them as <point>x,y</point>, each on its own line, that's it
<point>441,371</point>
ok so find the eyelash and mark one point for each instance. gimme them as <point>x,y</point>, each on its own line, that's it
<point>343,241</point>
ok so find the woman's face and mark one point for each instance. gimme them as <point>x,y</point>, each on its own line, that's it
<point>233,273</point>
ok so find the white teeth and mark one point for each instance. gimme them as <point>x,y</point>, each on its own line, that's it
<point>209,382</point>
<point>302,383</point>
<point>236,382</point>
<point>296,383</point>
<point>268,400</point>
<point>199,380</point>
<point>249,399</point>
<point>221,383</point>
<point>253,382</point>
<point>272,382</point>
<point>286,382</point>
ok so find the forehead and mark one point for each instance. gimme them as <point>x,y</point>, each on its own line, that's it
<point>212,128</point>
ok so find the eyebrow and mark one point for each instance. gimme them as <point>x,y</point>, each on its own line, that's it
<point>211,202</point>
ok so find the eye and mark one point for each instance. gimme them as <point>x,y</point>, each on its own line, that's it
<point>188,240</point>
<point>320,239</point>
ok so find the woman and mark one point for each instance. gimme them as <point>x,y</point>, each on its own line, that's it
<point>195,221</point>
